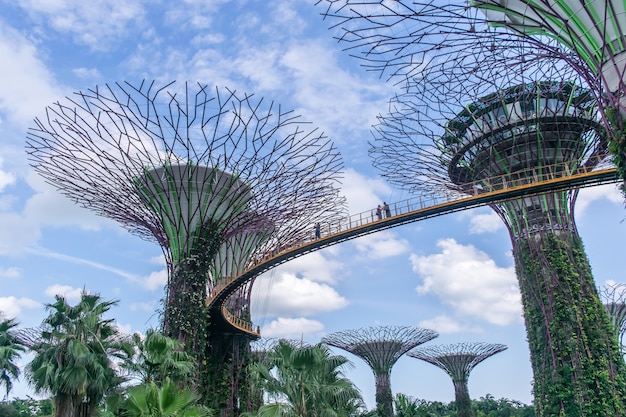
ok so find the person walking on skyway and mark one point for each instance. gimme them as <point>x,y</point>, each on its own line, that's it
<point>387,209</point>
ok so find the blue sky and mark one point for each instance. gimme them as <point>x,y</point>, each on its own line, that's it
<point>453,273</point>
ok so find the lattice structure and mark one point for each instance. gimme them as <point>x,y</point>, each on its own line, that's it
<point>614,297</point>
<point>212,175</point>
<point>484,108</point>
<point>458,361</point>
<point>381,347</point>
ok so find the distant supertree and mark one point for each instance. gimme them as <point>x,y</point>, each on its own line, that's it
<point>483,109</point>
<point>458,361</point>
<point>614,297</point>
<point>213,176</point>
<point>381,347</point>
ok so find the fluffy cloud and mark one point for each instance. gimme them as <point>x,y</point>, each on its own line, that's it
<point>11,307</point>
<point>291,328</point>
<point>316,266</point>
<point>10,272</point>
<point>286,295</point>
<point>70,293</point>
<point>469,281</point>
<point>485,223</point>
<point>444,324</point>
<point>156,280</point>
<point>381,245</point>
<point>26,85</point>
<point>588,195</point>
<point>6,178</point>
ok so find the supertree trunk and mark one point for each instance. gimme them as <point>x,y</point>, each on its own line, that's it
<point>577,367</point>
<point>384,397</point>
<point>462,399</point>
<point>227,384</point>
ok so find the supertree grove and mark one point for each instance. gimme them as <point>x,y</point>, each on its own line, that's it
<point>483,108</point>
<point>458,361</point>
<point>212,176</point>
<point>381,347</point>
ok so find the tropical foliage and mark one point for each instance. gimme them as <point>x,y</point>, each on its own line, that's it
<point>11,348</point>
<point>73,358</point>
<point>165,400</point>
<point>305,381</point>
<point>158,357</point>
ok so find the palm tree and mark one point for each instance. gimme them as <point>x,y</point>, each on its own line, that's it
<point>167,400</point>
<point>306,381</point>
<point>158,357</point>
<point>73,357</point>
<point>11,348</point>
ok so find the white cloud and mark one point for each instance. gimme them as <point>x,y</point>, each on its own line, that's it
<point>10,272</point>
<point>471,282</point>
<point>444,324</point>
<point>362,193</point>
<point>70,293</point>
<point>485,223</point>
<point>124,328</point>
<point>156,280</point>
<point>381,245</point>
<point>588,195</point>
<point>6,178</point>
<point>26,86</point>
<point>12,307</point>
<point>49,207</point>
<point>94,23</point>
<point>291,328</point>
<point>284,294</point>
<point>17,233</point>
<point>316,266</point>
<point>87,73</point>
<point>148,306</point>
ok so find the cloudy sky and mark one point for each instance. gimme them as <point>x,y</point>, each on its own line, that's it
<point>453,274</point>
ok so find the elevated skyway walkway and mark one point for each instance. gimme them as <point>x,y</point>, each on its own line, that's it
<point>407,211</point>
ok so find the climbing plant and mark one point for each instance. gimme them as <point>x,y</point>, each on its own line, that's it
<point>576,360</point>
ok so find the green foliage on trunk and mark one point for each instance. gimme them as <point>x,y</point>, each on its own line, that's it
<point>578,370</point>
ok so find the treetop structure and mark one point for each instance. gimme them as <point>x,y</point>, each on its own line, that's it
<point>594,32</point>
<point>381,347</point>
<point>484,109</point>
<point>458,361</point>
<point>212,175</point>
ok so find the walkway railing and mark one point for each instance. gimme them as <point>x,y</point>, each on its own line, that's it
<point>420,207</point>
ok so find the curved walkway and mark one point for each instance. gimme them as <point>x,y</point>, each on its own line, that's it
<point>403,212</point>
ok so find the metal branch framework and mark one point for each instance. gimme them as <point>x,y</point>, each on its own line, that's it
<point>381,347</point>
<point>614,298</point>
<point>458,361</point>
<point>212,175</point>
<point>481,101</point>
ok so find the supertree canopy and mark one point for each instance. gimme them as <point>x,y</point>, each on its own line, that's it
<point>381,347</point>
<point>213,176</point>
<point>483,109</point>
<point>458,361</point>
<point>594,32</point>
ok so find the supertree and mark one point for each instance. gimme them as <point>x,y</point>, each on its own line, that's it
<point>381,347</point>
<point>614,297</point>
<point>458,361</point>
<point>593,31</point>
<point>483,109</point>
<point>212,175</point>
